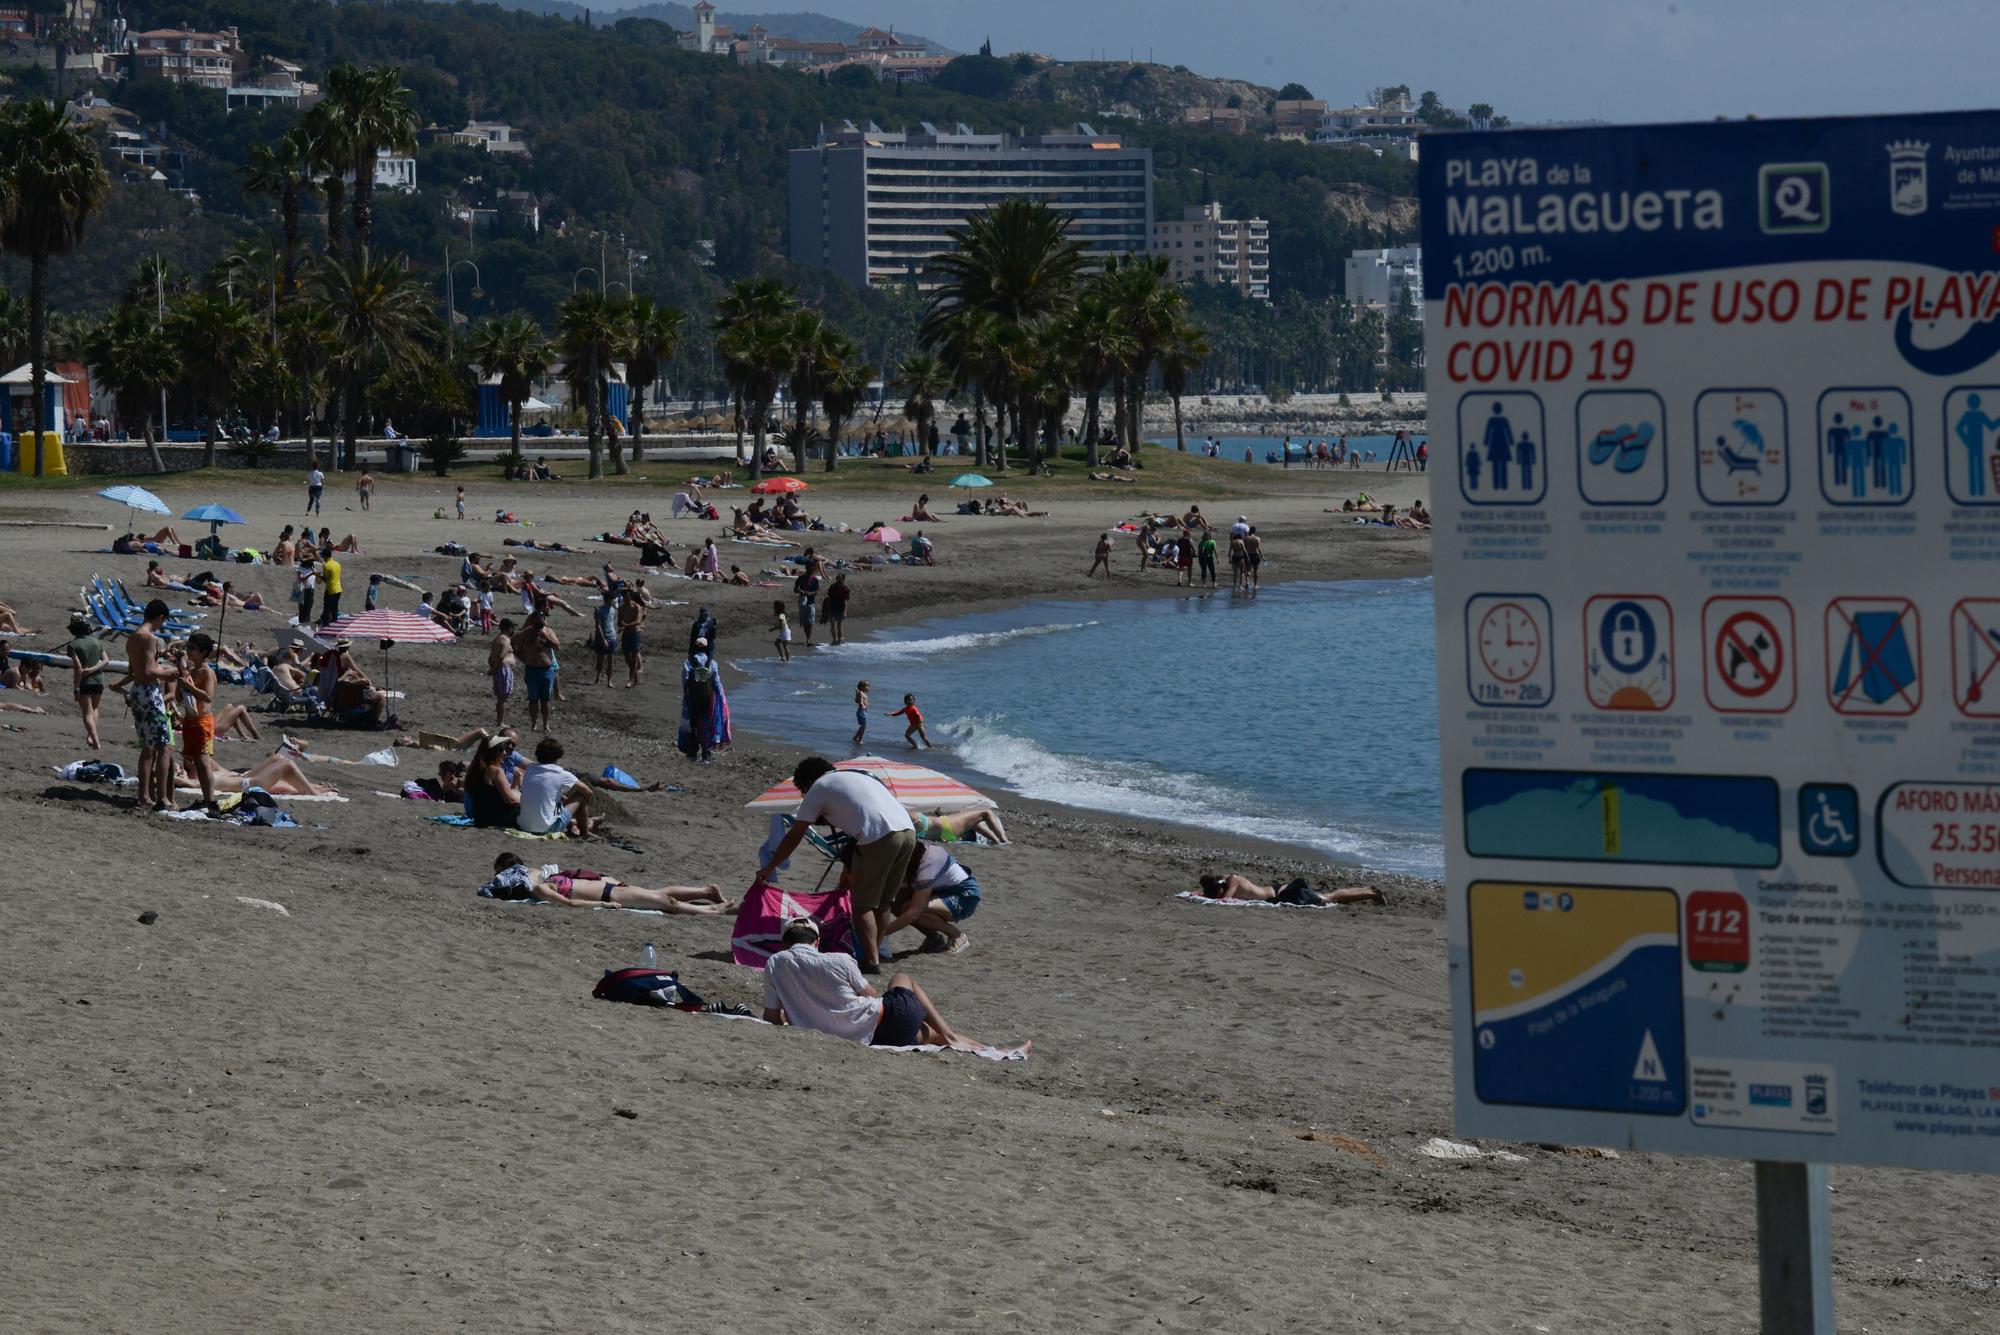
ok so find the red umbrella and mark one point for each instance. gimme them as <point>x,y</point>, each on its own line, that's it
<point>771,486</point>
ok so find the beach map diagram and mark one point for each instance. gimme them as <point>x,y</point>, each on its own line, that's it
<point>1576,997</point>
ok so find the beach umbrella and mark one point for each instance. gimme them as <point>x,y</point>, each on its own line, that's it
<point>133,499</point>
<point>215,516</point>
<point>389,627</point>
<point>971,480</point>
<point>915,786</point>
<point>772,486</point>
<point>884,535</point>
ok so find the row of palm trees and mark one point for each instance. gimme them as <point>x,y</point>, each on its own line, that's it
<point>1021,323</point>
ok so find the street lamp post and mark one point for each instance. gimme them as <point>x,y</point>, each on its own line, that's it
<point>450,293</point>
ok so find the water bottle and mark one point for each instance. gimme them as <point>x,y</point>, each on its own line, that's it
<point>648,957</point>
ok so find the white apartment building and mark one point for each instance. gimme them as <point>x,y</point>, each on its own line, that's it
<point>1205,247</point>
<point>877,206</point>
<point>1373,126</point>
<point>1381,277</point>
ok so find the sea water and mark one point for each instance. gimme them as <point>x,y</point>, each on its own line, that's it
<point>1306,714</point>
<point>1260,446</point>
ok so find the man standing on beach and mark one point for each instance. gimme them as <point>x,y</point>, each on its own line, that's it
<point>885,839</point>
<point>500,666</point>
<point>315,484</point>
<point>329,607</point>
<point>146,698</point>
<point>631,627</point>
<point>535,645</point>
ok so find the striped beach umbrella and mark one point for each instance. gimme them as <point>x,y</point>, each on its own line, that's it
<point>915,786</point>
<point>389,627</point>
<point>135,498</point>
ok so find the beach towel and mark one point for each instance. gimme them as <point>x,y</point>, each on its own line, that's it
<point>985,1053</point>
<point>1194,898</point>
<point>463,822</point>
<point>760,922</point>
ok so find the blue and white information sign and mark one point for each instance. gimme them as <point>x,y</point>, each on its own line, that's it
<point>1718,583</point>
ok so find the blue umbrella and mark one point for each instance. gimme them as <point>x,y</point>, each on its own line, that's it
<point>212,513</point>
<point>971,480</point>
<point>136,498</point>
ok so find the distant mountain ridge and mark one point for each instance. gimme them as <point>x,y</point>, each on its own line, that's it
<point>803,27</point>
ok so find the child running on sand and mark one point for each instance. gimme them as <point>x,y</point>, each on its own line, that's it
<point>461,502</point>
<point>784,630</point>
<point>916,718</point>
<point>860,711</point>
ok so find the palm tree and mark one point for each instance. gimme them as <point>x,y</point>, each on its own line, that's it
<point>758,356</point>
<point>843,386</point>
<point>1015,260</point>
<point>306,336</point>
<point>374,111</point>
<point>653,335</point>
<point>1184,352</point>
<point>811,338</point>
<point>52,180</point>
<point>1095,346</point>
<point>756,352</point>
<point>376,308</point>
<point>587,332</point>
<point>281,174</point>
<point>217,337</point>
<point>967,345</point>
<point>328,156</point>
<point>511,348</point>
<point>1148,306</point>
<point>136,358</point>
<point>924,380</point>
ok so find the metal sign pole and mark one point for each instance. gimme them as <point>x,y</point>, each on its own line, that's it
<point>1794,1255</point>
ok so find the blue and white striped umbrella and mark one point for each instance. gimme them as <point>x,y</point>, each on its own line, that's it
<point>136,498</point>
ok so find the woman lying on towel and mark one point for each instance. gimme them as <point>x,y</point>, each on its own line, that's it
<point>277,774</point>
<point>10,623</point>
<point>581,888</point>
<point>957,827</point>
<point>1297,891</point>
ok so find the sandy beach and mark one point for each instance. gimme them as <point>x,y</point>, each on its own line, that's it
<point>329,1089</point>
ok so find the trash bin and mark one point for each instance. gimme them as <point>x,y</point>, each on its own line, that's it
<point>52,453</point>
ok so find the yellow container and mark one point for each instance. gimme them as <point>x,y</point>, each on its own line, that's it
<point>52,453</point>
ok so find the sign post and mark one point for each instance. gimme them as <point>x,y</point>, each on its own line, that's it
<point>1716,462</point>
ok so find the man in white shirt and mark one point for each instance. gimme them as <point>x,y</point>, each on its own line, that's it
<point>553,800</point>
<point>1240,527</point>
<point>315,486</point>
<point>823,990</point>
<point>860,807</point>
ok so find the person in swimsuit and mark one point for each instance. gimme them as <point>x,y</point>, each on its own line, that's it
<point>146,698</point>
<point>86,661</point>
<point>582,888</point>
<point>500,667</point>
<point>631,637</point>
<point>950,827</point>
<point>860,711</point>
<point>836,608</point>
<point>1103,556</point>
<point>915,716</point>
<point>1297,891</point>
<point>491,797</point>
<point>1253,558</point>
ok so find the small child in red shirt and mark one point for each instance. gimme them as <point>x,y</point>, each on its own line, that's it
<point>916,717</point>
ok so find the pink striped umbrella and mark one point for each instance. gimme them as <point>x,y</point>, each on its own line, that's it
<point>398,627</point>
<point>389,627</point>
<point>915,786</point>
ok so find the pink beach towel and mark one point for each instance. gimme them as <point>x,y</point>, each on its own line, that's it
<point>767,908</point>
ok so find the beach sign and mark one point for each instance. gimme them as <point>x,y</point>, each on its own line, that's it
<point>1715,643</point>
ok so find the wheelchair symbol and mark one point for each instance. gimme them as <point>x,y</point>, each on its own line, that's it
<point>1829,820</point>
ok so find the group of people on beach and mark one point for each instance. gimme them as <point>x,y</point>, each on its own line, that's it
<point>1185,545</point>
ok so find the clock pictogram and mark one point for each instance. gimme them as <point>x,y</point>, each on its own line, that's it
<point>1510,643</point>
<point>1507,650</point>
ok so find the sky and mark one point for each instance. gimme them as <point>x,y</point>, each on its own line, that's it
<point>1534,60</point>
